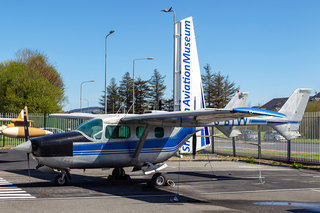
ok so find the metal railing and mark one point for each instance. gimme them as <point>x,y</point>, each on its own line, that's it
<point>305,149</point>
<point>54,125</point>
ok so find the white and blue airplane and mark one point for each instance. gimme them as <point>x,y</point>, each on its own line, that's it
<point>124,140</point>
<point>143,141</point>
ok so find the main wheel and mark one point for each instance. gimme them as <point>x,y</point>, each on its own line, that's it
<point>60,180</point>
<point>158,179</point>
<point>118,172</point>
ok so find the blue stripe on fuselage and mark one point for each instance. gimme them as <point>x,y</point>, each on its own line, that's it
<point>128,146</point>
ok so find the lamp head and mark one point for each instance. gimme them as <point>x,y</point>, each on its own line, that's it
<point>167,11</point>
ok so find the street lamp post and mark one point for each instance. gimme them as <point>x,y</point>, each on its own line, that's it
<point>105,70</point>
<point>81,92</point>
<point>133,97</point>
<point>176,104</point>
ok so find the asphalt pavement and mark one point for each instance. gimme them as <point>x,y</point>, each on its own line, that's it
<point>201,186</point>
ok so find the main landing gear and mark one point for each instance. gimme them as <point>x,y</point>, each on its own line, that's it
<point>118,174</point>
<point>159,179</point>
<point>62,178</point>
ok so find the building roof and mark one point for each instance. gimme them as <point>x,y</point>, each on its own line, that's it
<point>274,104</point>
<point>277,103</point>
<point>94,110</point>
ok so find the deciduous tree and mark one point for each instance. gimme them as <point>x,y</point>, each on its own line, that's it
<point>21,85</point>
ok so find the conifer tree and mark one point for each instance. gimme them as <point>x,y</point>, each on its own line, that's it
<point>157,87</point>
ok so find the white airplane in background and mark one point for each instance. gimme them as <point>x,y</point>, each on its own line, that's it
<point>143,141</point>
<point>294,108</point>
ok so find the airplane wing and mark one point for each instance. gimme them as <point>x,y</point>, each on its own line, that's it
<point>77,115</point>
<point>5,119</point>
<point>197,118</point>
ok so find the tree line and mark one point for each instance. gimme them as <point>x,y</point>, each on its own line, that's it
<point>150,94</point>
<point>30,80</point>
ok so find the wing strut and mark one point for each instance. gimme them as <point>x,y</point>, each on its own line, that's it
<point>140,144</point>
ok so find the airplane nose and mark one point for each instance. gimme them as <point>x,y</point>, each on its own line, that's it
<point>24,147</point>
<point>48,132</point>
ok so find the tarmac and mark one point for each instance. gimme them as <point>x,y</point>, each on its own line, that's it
<point>200,186</point>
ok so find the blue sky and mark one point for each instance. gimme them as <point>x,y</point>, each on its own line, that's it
<point>267,47</point>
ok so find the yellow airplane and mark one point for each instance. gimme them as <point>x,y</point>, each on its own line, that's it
<point>16,127</point>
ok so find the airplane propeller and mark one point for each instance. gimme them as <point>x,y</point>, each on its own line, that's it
<point>26,133</point>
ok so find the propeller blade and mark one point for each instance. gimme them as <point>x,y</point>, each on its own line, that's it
<point>28,157</point>
<point>26,134</point>
<point>26,126</point>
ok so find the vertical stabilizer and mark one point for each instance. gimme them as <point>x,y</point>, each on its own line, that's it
<point>20,120</point>
<point>294,109</point>
<point>238,100</point>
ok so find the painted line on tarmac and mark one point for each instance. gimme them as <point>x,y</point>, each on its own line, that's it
<point>105,197</point>
<point>259,191</point>
<point>9,191</point>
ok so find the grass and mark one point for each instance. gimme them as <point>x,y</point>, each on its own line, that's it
<point>314,156</point>
<point>297,165</point>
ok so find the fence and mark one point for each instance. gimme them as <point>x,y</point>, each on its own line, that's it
<point>305,149</point>
<point>54,125</point>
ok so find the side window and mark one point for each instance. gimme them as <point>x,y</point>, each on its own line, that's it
<point>117,132</point>
<point>158,132</point>
<point>139,131</point>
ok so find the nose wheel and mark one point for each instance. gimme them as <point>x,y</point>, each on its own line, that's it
<point>62,178</point>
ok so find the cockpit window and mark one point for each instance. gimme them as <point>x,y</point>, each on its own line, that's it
<point>91,128</point>
<point>117,132</point>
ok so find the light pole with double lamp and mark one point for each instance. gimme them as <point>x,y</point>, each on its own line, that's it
<point>176,104</point>
<point>105,70</point>
<point>81,92</point>
<point>133,98</point>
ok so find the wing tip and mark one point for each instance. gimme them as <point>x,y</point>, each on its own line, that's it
<point>258,111</point>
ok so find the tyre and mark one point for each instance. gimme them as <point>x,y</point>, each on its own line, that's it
<point>158,179</point>
<point>118,172</point>
<point>60,180</point>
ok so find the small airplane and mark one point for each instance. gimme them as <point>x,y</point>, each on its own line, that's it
<point>125,140</point>
<point>294,108</point>
<point>16,127</point>
<point>143,141</point>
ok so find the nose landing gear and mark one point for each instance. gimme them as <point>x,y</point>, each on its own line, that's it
<point>62,178</point>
